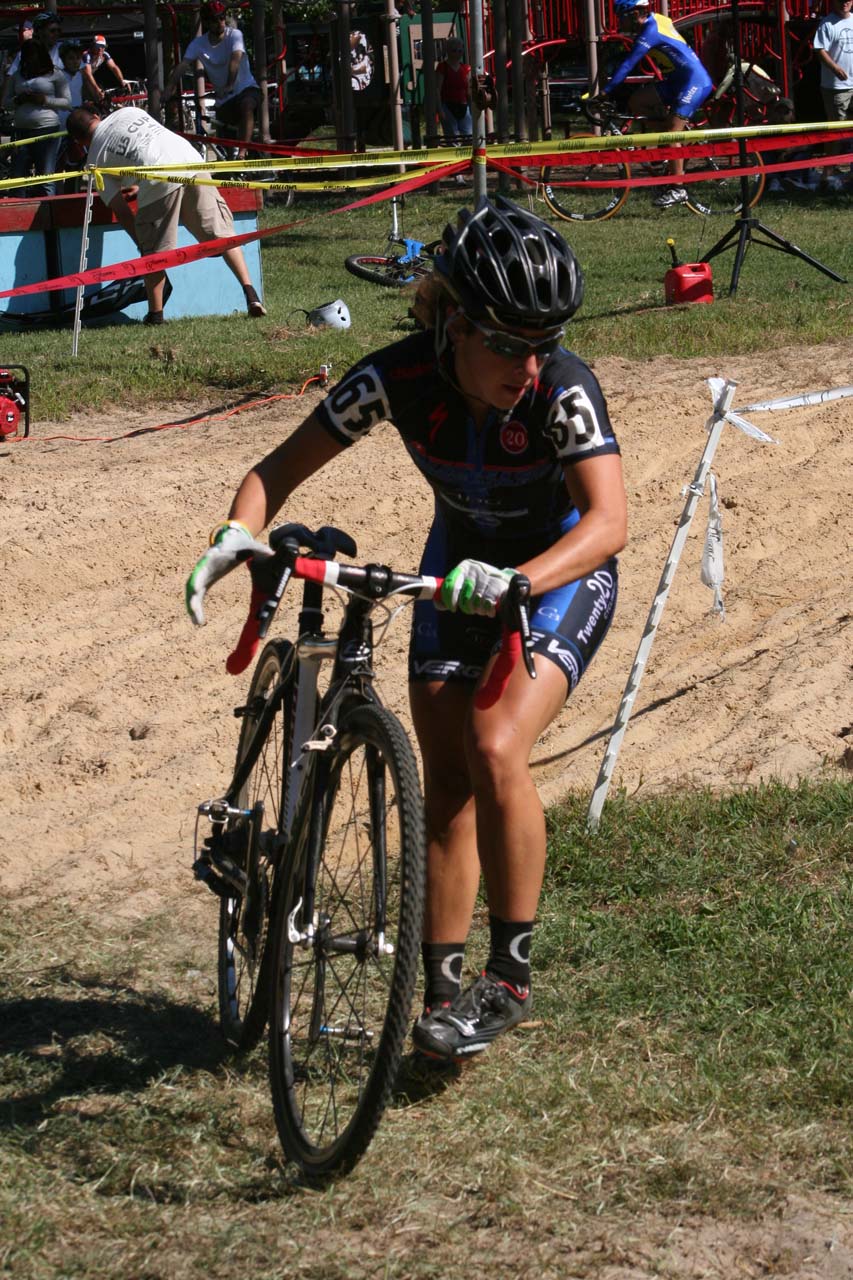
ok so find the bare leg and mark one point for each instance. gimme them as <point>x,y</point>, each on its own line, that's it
<point>510,821</point>
<point>439,712</point>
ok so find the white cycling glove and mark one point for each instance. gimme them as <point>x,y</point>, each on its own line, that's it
<point>475,587</point>
<point>230,544</point>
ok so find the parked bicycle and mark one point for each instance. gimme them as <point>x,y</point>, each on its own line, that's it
<point>403,261</point>
<point>581,192</point>
<point>317,851</point>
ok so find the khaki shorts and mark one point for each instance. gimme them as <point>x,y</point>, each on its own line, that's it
<point>202,210</point>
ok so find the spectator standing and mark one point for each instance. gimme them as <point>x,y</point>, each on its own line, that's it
<point>96,56</point>
<point>72,57</point>
<point>25,33</point>
<point>40,93</point>
<point>47,31</point>
<point>833,44</point>
<point>226,65</point>
<point>131,137</point>
<point>454,95</point>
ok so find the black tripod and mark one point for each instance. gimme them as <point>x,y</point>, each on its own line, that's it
<point>746,226</point>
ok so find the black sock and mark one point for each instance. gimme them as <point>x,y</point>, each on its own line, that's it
<point>509,956</point>
<point>442,971</point>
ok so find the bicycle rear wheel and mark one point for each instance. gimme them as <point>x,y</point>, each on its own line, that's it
<point>721,193</point>
<point>580,201</point>
<point>252,844</point>
<point>385,269</point>
<point>343,981</point>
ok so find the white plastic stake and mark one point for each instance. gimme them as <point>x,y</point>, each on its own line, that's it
<point>84,256</point>
<point>724,395</point>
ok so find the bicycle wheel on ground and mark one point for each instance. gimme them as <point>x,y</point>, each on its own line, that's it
<point>386,269</point>
<point>721,193</point>
<point>252,844</point>
<point>343,980</point>
<point>574,191</point>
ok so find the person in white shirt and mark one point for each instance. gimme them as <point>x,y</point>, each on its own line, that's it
<point>130,137</point>
<point>833,44</point>
<point>39,92</point>
<point>226,66</point>
<point>71,55</point>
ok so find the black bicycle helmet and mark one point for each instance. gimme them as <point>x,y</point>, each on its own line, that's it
<point>506,265</point>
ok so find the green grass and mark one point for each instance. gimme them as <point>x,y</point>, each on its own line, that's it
<point>128,367</point>
<point>692,1053</point>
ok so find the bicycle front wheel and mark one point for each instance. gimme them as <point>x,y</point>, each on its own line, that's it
<point>344,978</point>
<point>569,191</point>
<point>251,843</point>
<point>722,193</point>
<point>385,269</point>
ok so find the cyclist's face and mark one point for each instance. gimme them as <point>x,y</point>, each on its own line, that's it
<point>496,379</point>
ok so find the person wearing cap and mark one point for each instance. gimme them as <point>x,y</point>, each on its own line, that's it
<point>40,94</point>
<point>671,101</point>
<point>131,137</point>
<point>226,65</point>
<point>453,81</point>
<point>96,56</point>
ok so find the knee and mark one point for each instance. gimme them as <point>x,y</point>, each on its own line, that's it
<point>448,805</point>
<point>496,757</point>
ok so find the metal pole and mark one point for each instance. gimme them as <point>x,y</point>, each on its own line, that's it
<point>259,40</point>
<point>428,64</point>
<point>694,492</point>
<point>153,59</point>
<point>592,34</point>
<point>84,257</point>
<point>394,76</point>
<point>478,151</point>
<point>517,22</point>
<point>499,24</point>
<point>347,139</point>
<point>280,67</point>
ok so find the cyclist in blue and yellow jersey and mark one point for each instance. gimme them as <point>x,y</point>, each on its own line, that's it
<point>678,96</point>
<point>511,432</point>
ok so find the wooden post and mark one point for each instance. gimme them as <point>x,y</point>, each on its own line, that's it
<point>153,59</point>
<point>259,39</point>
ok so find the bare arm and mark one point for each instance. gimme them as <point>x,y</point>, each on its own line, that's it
<point>267,486</point>
<point>233,65</point>
<point>837,71</point>
<point>92,91</point>
<point>124,215</point>
<point>116,71</point>
<point>175,76</point>
<point>598,491</point>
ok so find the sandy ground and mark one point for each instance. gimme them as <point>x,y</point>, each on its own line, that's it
<point>116,717</point>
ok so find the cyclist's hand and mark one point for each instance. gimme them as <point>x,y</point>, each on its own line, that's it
<point>475,587</point>
<point>230,544</point>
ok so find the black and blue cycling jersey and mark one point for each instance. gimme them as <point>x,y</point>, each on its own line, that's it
<point>686,83</point>
<point>500,491</point>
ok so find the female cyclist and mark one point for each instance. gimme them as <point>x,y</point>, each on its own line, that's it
<point>512,433</point>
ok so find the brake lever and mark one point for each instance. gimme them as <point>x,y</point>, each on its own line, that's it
<point>517,616</point>
<point>269,607</point>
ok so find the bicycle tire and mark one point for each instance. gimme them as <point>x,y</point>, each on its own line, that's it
<point>244,919</point>
<point>385,269</point>
<point>576,204</point>
<point>341,1005</point>
<point>722,195</point>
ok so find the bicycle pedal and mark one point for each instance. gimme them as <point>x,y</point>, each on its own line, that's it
<point>203,871</point>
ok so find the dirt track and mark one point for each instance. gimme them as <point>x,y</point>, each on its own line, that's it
<point>116,719</point>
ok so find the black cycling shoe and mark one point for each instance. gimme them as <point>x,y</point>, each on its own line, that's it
<point>471,1022</point>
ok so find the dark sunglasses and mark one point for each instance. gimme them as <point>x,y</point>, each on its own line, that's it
<point>510,345</point>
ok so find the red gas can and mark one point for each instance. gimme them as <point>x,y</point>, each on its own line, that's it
<point>691,282</point>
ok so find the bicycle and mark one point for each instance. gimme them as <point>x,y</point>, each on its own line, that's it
<point>569,193</point>
<point>318,852</point>
<point>393,268</point>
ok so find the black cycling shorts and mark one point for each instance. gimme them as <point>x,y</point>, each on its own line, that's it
<point>568,624</point>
